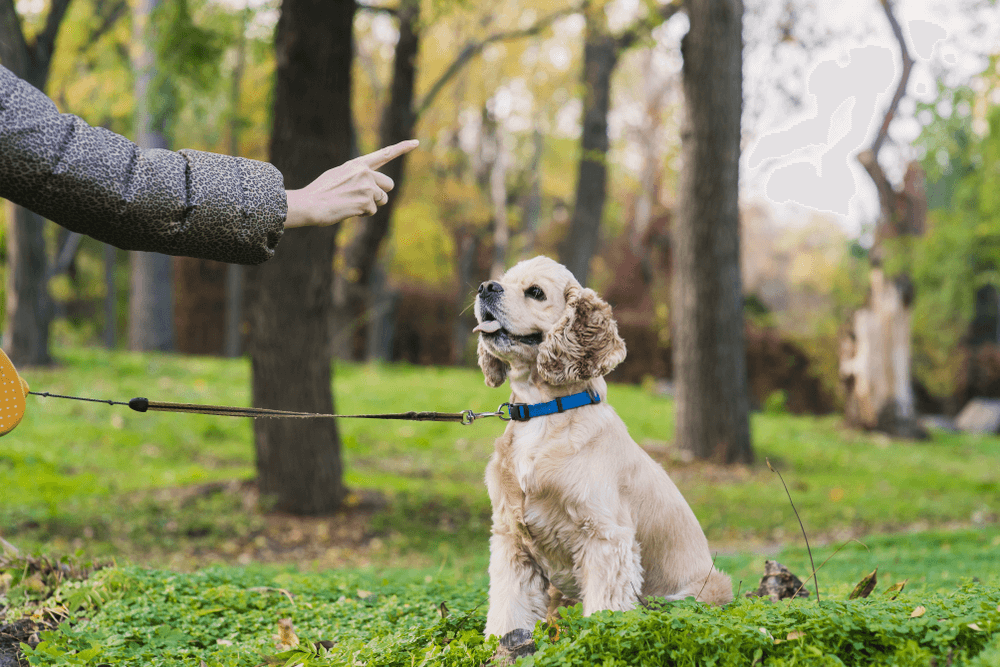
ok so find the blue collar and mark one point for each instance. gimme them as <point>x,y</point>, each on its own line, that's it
<point>522,412</point>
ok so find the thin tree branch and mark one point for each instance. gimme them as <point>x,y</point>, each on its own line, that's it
<point>890,113</point>
<point>644,28</point>
<point>472,49</point>
<point>109,20</point>
<point>66,255</point>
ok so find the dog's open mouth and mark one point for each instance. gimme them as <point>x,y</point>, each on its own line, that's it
<point>489,325</point>
<point>491,328</point>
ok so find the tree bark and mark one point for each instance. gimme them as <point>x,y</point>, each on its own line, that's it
<point>151,296</point>
<point>397,124</point>
<point>29,306</point>
<point>709,351</point>
<point>200,306</point>
<point>875,354</point>
<point>290,298</point>
<point>600,57</point>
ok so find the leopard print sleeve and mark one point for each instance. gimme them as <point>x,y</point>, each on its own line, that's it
<point>98,183</point>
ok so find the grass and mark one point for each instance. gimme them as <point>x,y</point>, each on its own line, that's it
<point>83,475</point>
<point>226,615</point>
<point>170,491</point>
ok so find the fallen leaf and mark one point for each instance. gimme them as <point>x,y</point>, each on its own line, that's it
<point>286,634</point>
<point>865,586</point>
<point>325,643</point>
<point>443,610</point>
<point>918,612</point>
<point>364,594</point>
<point>896,589</point>
<point>975,627</point>
<point>795,634</point>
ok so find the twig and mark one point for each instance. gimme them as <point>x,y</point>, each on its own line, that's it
<point>268,589</point>
<point>711,570</point>
<point>827,561</point>
<point>808,549</point>
<point>473,49</point>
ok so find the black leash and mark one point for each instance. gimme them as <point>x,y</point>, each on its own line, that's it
<point>465,417</point>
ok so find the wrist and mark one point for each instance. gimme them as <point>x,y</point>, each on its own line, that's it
<point>298,209</point>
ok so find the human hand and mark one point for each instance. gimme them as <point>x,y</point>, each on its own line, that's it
<point>352,189</point>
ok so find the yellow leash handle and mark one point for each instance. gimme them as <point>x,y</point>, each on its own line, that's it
<point>13,390</point>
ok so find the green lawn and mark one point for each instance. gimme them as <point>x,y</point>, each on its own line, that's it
<point>163,490</point>
<point>83,475</point>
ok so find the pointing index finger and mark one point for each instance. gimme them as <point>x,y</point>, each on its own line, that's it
<point>389,153</point>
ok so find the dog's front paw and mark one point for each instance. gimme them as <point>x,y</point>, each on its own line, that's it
<point>513,645</point>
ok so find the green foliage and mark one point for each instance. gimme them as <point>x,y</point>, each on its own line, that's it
<point>961,249</point>
<point>230,616</point>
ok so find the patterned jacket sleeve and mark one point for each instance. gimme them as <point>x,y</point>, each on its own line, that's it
<point>98,183</point>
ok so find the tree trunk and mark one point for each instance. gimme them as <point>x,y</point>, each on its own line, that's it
<point>600,56</point>
<point>398,121</point>
<point>233,344</point>
<point>200,308</point>
<point>151,305</point>
<point>290,298</point>
<point>709,351</point>
<point>29,306</point>
<point>875,355</point>
<point>875,364</point>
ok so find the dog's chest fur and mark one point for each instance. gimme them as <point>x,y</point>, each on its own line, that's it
<point>525,487</point>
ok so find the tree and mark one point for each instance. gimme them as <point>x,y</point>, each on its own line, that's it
<point>398,123</point>
<point>601,53</point>
<point>875,357</point>
<point>290,297</point>
<point>712,400</point>
<point>151,303</point>
<point>29,307</point>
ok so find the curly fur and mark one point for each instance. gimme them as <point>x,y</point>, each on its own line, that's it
<point>584,344</point>
<point>580,511</point>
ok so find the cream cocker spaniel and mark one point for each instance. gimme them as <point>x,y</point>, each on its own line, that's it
<point>580,511</point>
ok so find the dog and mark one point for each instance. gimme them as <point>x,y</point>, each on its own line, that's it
<point>580,512</point>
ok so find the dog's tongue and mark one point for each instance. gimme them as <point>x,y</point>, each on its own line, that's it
<point>489,326</point>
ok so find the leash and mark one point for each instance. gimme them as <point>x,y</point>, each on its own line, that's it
<point>139,404</point>
<point>514,411</point>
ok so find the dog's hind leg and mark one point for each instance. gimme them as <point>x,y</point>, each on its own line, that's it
<point>716,588</point>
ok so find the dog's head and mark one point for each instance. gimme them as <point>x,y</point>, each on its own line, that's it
<point>538,314</point>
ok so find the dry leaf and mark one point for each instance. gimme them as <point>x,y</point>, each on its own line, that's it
<point>286,634</point>
<point>918,612</point>
<point>362,594</point>
<point>865,586</point>
<point>975,627</point>
<point>443,610</point>
<point>224,642</point>
<point>795,634</point>
<point>896,589</point>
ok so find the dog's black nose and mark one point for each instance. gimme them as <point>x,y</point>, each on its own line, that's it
<point>491,287</point>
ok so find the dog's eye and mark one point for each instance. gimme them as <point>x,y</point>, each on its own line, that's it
<point>535,292</point>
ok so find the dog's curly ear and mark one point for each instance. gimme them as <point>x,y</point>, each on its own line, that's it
<point>584,343</point>
<point>494,370</point>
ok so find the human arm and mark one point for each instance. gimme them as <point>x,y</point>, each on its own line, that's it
<point>98,183</point>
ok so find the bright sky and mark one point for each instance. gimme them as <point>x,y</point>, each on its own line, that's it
<point>803,160</point>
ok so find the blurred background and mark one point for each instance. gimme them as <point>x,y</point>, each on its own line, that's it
<point>868,221</point>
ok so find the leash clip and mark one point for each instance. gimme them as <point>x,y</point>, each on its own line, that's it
<point>469,416</point>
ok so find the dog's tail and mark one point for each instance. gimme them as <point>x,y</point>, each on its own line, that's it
<point>716,588</point>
